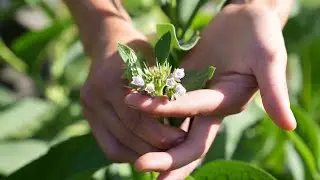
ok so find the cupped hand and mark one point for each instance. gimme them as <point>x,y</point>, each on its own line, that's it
<point>123,133</point>
<point>246,46</point>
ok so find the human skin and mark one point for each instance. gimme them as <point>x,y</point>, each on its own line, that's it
<point>244,42</point>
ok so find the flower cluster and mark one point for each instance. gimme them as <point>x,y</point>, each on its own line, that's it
<point>158,81</point>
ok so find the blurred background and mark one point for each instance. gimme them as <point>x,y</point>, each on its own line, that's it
<point>43,66</point>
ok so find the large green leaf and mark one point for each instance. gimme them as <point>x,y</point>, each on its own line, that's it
<point>16,154</point>
<point>30,46</point>
<point>231,170</point>
<point>6,96</point>
<point>195,80</point>
<point>24,117</point>
<point>162,48</point>
<point>65,161</point>
<point>165,28</point>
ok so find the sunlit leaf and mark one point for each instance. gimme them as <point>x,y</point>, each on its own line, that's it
<point>231,170</point>
<point>165,28</point>
<point>30,46</point>
<point>65,161</point>
<point>24,118</point>
<point>16,154</point>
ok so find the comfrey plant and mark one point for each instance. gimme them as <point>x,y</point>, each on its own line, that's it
<point>163,79</point>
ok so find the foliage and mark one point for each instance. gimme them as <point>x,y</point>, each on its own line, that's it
<point>44,135</point>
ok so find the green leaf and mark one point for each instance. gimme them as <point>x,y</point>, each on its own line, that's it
<point>136,175</point>
<point>218,148</point>
<point>11,59</point>
<point>165,28</point>
<point>295,164</point>
<point>307,156</point>
<point>65,161</point>
<point>119,172</point>
<point>250,140</point>
<point>131,61</point>
<point>231,170</point>
<point>195,80</point>
<point>30,46</point>
<point>16,154</point>
<point>24,118</point>
<point>162,48</point>
<point>6,97</point>
<point>308,130</point>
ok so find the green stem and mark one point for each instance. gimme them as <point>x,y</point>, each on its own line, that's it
<point>173,14</point>
<point>194,13</point>
<point>10,58</point>
<point>47,10</point>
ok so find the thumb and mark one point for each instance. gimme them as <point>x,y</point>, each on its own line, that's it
<point>271,77</point>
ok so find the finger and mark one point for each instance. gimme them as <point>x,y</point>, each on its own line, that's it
<point>180,173</point>
<point>200,102</point>
<point>115,126</point>
<point>148,128</point>
<point>271,77</point>
<point>198,142</point>
<point>109,144</point>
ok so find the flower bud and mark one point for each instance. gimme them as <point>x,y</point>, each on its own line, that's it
<point>170,82</point>
<point>150,88</point>
<point>138,81</point>
<point>180,90</point>
<point>178,74</point>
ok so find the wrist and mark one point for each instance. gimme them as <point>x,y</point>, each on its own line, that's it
<point>103,41</point>
<point>101,24</point>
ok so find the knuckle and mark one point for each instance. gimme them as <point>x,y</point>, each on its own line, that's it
<point>267,54</point>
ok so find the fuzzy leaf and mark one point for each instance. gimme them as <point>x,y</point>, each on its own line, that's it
<point>162,48</point>
<point>131,61</point>
<point>194,80</point>
<point>165,28</point>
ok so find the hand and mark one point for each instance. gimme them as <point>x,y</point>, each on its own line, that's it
<point>123,133</point>
<point>245,44</point>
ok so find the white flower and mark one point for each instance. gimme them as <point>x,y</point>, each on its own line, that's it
<point>137,80</point>
<point>178,74</point>
<point>180,90</point>
<point>150,88</point>
<point>171,82</point>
